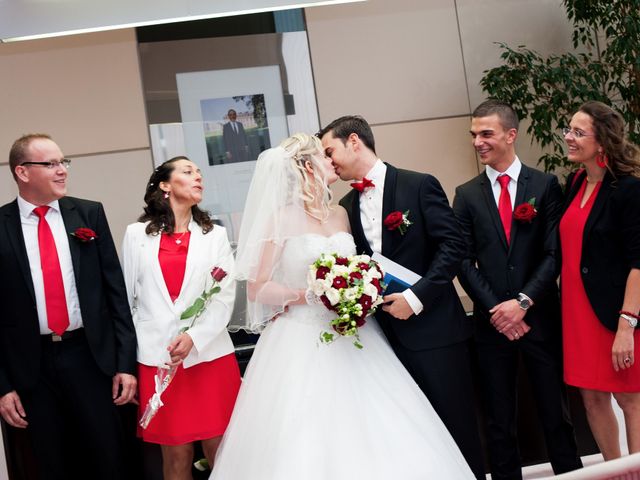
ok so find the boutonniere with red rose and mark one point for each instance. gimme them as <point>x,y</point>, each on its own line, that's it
<point>526,212</point>
<point>398,221</point>
<point>84,234</point>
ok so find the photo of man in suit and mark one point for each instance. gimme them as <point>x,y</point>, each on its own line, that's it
<point>67,341</point>
<point>508,215</point>
<point>235,139</point>
<point>425,324</point>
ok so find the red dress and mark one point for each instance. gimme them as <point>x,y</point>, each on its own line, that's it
<point>199,401</point>
<point>586,342</point>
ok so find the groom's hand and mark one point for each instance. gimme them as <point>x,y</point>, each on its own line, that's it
<point>397,306</point>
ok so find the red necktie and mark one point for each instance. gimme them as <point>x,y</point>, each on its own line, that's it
<point>504,205</point>
<point>57,314</point>
<point>365,183</point>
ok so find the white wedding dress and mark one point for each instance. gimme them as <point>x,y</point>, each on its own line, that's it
<point>310,411</point>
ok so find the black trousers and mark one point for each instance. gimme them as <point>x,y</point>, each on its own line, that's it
<point>73,424</point>
<point>498,369</point>
<point>444,375</point>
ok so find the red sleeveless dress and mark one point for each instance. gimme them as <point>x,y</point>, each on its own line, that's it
<point>199,401</point>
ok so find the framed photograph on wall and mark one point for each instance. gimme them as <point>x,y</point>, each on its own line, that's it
<point>236,128</point>
<point>228,118</point>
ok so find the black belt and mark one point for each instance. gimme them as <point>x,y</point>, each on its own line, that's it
<point>68,335</point>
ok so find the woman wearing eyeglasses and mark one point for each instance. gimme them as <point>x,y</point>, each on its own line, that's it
<point>600,288</point>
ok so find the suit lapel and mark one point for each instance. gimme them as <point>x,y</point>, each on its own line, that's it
<point>388,206</point>
<point>196,248</point>
<point>492,208</point>
<point>521,197</point>
<point>16,238</point>
<point>356,223</point>
<point>72,221</point>
<point>598,205</point>
<point>153,249</point>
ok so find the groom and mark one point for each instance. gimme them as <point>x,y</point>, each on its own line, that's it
<point>425,325</point>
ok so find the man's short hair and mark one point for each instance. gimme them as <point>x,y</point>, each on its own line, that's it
<point>18,153</point>
<point>345,126</point>
<point>507,115</point>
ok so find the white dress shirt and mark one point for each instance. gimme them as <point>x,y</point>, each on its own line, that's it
<point>29,221</point>
<point>371,219</point>
<point>514,172</point>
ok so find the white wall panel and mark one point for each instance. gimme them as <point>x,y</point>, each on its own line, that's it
<point>389,61</point>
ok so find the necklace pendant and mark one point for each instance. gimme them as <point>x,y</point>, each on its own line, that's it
<point>178,241</point>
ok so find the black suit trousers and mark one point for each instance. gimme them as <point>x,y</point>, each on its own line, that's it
<point>72,419</point>
<point>498,368</point>
<point>451,395</point>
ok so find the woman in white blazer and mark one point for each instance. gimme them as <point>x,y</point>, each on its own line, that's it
<point>168,258</point>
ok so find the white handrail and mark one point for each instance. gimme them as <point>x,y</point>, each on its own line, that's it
<point>624,468</point>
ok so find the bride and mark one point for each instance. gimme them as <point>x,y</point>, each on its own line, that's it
<point>308,410</point>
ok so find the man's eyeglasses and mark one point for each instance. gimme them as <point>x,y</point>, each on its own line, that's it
<point>65,162</point>
<point>575,133</point>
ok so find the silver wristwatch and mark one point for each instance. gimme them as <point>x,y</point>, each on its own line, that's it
<point>524,301</point>
<point>633,322</point>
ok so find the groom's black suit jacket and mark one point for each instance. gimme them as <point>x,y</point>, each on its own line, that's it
<point>432,247</point>
<point>102,295</point>
<point>495,271</point>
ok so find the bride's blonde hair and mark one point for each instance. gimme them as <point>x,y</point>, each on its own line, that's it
<point>315,192</point>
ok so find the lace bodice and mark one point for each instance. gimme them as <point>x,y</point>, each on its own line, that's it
<point>300,252</point>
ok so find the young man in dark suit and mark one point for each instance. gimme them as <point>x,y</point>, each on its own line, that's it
<point>508,215</point>
<point>425,324</point>
<point>67,341</point>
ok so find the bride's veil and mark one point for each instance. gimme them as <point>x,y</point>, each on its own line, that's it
<point>274,212</point>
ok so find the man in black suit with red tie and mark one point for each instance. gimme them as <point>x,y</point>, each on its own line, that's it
<point>508,215</point>
<point>425,324</point>
<point>67,341</point>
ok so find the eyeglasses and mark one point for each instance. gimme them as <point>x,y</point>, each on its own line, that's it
<point>65,162</point>
<point>576,133</point>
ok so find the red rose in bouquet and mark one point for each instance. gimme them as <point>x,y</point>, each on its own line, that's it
<point>321,273</point>
<point>342,261</point>
<point>339,282</point>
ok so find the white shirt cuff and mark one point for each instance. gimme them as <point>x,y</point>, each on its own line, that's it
<point>413,301</point>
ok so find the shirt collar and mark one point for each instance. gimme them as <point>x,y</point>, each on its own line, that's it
<point>513,171</point>
<point>26,208</point>
<point>377,172</point>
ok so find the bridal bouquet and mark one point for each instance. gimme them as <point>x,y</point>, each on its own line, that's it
<point>349,286</point>
<point>164,376</point>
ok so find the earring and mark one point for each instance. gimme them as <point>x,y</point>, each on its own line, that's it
<point>602,160</point>
<point>166,195</point>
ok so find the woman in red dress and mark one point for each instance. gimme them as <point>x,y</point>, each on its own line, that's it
<point>600,238</point>
<point>168,260</point>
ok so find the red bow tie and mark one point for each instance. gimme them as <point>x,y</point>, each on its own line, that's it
<point>365,183</point>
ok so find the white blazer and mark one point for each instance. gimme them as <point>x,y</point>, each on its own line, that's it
<point>156,317</point>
